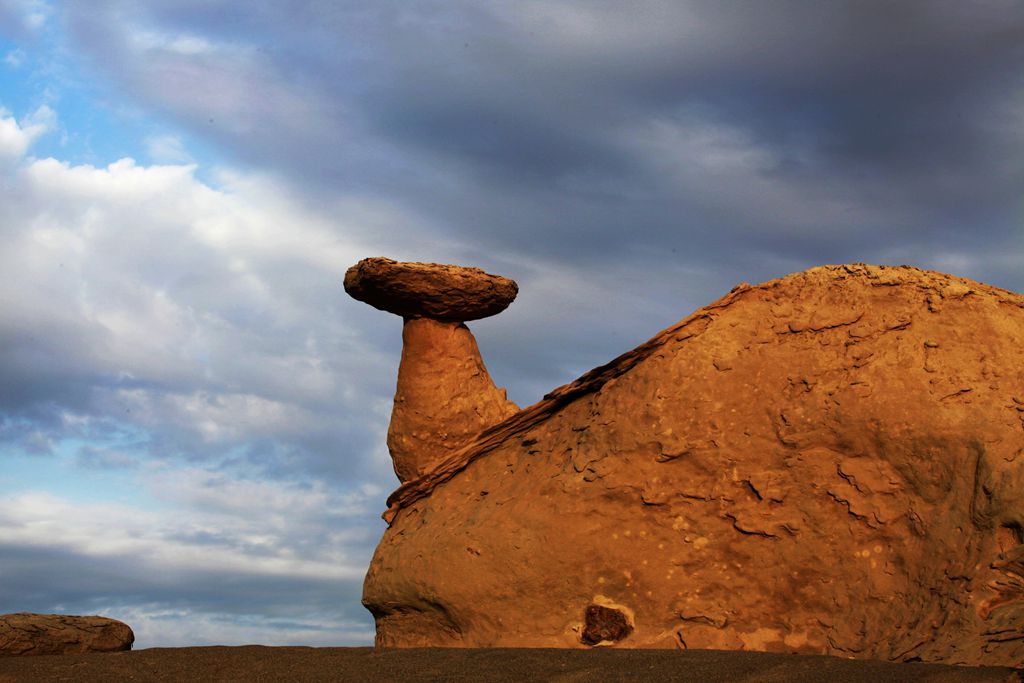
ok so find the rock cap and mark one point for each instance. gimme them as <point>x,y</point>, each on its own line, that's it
<point>429,290</point>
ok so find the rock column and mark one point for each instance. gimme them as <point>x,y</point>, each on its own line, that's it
<point>445,395</point>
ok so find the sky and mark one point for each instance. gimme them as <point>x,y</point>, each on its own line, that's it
<point>192,411</point>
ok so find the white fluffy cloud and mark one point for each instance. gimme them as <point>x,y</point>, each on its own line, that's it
<point>167,149</point>
<point>207,307</point>
<point>189,336</point>
<point>16,137</point>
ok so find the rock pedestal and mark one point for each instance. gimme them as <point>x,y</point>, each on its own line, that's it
<point>58,634</point>
<point>445,396</point>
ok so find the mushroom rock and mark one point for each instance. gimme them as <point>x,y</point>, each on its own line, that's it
<point>55,634</point>
<point>429,290</point>
<point>445,396</point>
<point>830,463</point>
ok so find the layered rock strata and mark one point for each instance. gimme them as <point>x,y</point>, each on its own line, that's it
<point>444,396</point>
<point>830,462</point>
<point>57,634</point>
<point>429,290</point>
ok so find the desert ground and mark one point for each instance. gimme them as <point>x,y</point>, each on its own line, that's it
<point>253,664</point>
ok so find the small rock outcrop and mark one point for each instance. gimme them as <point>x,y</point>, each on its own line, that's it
<point>445,396</point>
<point>60,634</point>
<point>831,462</point>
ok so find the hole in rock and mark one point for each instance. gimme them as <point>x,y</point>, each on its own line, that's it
<point>604,623</point>
<point>1009,535</point>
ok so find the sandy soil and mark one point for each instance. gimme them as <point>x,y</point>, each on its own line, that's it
<point>253,664</point>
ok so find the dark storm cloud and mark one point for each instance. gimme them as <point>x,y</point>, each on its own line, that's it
<point>503,134</point>
<point>607,140</point>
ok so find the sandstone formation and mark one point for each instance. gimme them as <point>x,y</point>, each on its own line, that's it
<point>429,290</point>
<point>56,634</point>
<point>445,396</point>
<point>830,462</point>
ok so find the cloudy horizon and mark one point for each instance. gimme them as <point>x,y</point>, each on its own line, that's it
<point>192,412</point>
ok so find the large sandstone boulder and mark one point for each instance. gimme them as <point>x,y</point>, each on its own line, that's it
<point>58,634</point>
<point>826,463</point>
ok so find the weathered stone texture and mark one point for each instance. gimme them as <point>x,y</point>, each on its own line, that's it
<point>429,290</point>
<point>55,634</point>
<point>444,398</point>
<point>830,463</point>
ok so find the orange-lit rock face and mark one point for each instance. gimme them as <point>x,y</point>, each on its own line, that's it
<point>829,462</point>
<point>444,398</point>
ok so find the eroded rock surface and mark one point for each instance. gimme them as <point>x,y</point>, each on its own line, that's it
<point>429,290</point>
<point>444,397</point>
<point>55,634</point>
<point>830,463</point>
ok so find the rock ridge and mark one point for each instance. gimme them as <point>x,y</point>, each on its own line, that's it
<point>940,284</point>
